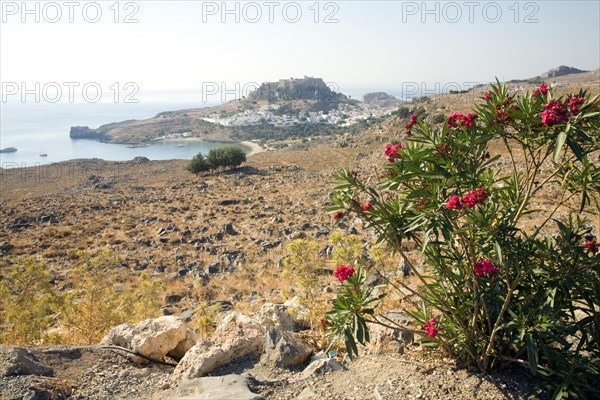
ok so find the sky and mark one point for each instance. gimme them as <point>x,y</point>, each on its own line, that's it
<point>124,47</point>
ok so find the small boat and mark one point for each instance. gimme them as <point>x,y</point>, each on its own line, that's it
<point>138,145</point>
<point>180,145</point>
<point>43,155</point>
<point>8,150</point>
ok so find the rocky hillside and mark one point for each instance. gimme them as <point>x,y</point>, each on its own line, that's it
<point>217,242</point>
<point>307,88</point>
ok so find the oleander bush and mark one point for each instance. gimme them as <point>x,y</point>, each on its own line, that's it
<point>497,288</point>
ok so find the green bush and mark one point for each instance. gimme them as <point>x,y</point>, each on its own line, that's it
<point>496,289</point>
<point>226,157</point>
<point>198,164</point>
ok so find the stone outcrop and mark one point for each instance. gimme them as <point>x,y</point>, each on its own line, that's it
<point>276,315</point>
<point>84,132</point>
<point>153,338</point>
<point>237,336</point>
<point>284,349</point>
<point>320,364</point>
<point>230,387</point>
<point>17,361</point>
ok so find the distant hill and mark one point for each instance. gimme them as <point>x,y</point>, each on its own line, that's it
<point>381,99</point>
<point>557,72</point>
<point>307,88</point>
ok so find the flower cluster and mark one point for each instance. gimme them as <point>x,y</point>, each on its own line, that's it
<point>574,104</point>
<point>454,203</point>
<point>485,267</point>
<point>366,206</point>
<point>411,122</point>
<point>391,151</point>
<point>338,215</point>
<point>474,197</point>
<point>556,113</point>
<point>487,96</point>
<point>471,199</point>
<point>456,119</point>
<point>343,272</point>
<point>542,90</point>
<point>430,329</point>
<point>590,243</point>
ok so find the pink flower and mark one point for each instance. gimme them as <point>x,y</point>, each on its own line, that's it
<point>366,206</point>
<point>343,272</point>
<point>454,203</point>
<point>474,197</point>
<point>485,267</point>
<point>412,121</point>
<point>574,103</point>
<point>430,329</point>
<point>590,243</point>
<point>556,113</point>
<point>338,215</point>
<point>487,96</point>
<point>542,90</point>
<point>391,151</point>
<point>457,119</point>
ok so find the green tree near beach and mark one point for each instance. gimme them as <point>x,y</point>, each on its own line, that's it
<point>222,158</point>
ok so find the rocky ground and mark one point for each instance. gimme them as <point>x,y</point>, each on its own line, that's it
<point>97,374</point>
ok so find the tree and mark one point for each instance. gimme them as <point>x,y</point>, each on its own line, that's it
<point>225,157</point>
<point>198,164</point>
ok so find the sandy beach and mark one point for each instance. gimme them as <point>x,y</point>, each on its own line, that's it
<point>255,147</point>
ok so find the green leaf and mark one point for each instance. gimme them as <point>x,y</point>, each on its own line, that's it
<point>532,354</point>
<point>560,141</point>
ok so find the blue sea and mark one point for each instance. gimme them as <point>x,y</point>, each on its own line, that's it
<point>34,128</point>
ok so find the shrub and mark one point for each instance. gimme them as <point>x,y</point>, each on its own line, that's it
<point>35,312</point>
<point>226,157</point>
<point>496,289</point>
<point>198,164</point>
<point>27,304</point>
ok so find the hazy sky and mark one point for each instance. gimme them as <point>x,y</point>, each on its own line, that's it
<point>178,45</point>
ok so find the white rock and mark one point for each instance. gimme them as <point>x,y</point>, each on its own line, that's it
<point>237,336</point>
<point>153,337</point>
<point>191,338</point>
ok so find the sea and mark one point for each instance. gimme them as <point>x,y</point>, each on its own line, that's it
<point>36,128</point>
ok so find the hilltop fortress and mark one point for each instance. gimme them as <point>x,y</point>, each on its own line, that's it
<point>307,88</point>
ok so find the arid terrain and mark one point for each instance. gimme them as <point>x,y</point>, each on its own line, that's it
<point>220,238</point>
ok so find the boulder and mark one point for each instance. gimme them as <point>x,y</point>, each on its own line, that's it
<point>320,365</point>
<point>230,387</point>
<point>299,312</point>
<point>388,340</point>
<point>284,349</point>
<point>276,315</point>
<point>237,336</point>
<point>191,338</point>
<point>153,338</point>
<point>17,361</point>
